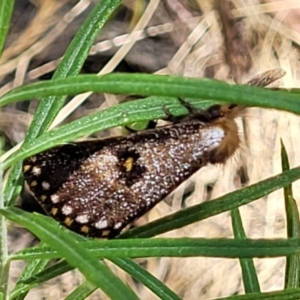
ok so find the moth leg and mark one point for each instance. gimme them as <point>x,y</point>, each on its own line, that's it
<point>194,113</point>
<point>152,124</point>
<point>169,117</point>
<point>204,115</point>
<point>176,119</point>
<point>191,108</point>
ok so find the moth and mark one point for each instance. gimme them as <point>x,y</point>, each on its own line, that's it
<point>98,187</point>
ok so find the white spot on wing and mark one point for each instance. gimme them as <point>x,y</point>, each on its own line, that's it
<point>82,219</point>
<point>55,198</point>
<point>101,224</point>
<point>67,210</point>
<point>46,185</point>
<point>118,225</point>
<point>36,171</point>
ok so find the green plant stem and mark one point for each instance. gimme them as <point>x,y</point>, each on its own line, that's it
<point>6,8</point>
<point>4,264</point>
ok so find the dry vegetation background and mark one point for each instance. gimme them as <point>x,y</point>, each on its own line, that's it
<point>226,40</point>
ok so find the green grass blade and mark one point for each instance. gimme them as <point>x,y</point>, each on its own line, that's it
<point>292,270</point>
<point>47,273</point>
<point>290,294</point>
<point>13,185</point>
<point>4,263</point>
<point>250,280</point>
<point>155,85</point>
<point>285,167</point>
<point>140,274</point>
<point>33,267</point>
<point>71,64</point>
<point>6,9</point>
<point>127,265</point>
<point>189,247</point>
<point>82,291</point>
<point>95,271</point>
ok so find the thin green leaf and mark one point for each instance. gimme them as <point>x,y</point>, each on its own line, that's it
<point>285,167</point>
<point>250,280</point>
<point>140,274</point>
<point>179,247</point>
<point>155,85</point>
<point>96,272</point>
<point>127,265</point>
<point>13,185</point>
<point>71,64</point>
<point>82,291</point>
<point>48,273</point>
<point>33,267</point>
<point>4,262</point>
<point>6,9</point>
<point>292,271</point>
<point>289,294</point>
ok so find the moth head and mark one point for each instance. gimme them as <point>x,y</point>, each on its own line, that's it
<point>228,111</point>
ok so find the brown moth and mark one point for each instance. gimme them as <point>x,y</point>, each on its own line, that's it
<point>98,187</point>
